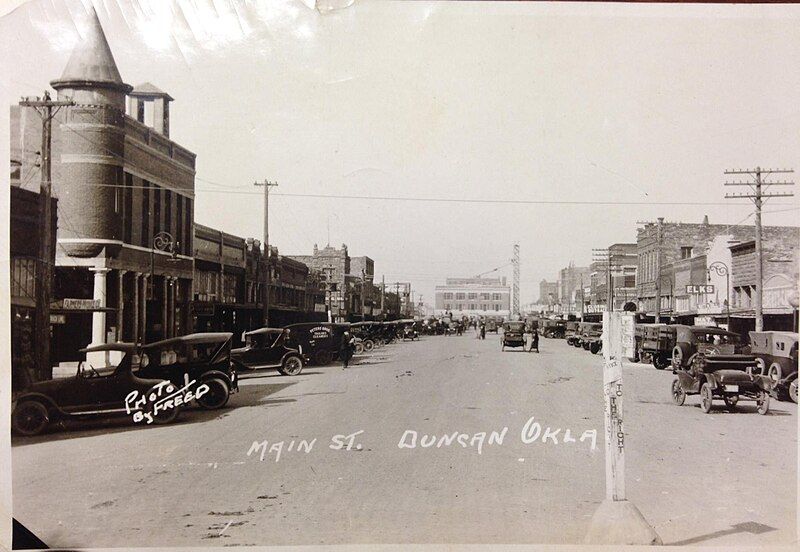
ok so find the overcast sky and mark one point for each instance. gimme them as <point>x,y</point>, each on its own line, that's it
<point>531,102</point>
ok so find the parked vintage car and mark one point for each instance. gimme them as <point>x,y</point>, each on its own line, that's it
<point>553,328</point>
<point>193,360</point>
<point>776,356</point>
<point>321,342</point>
<point>717,381</point>
<point>367,334</point>
<point>713,347</point>
<point>267,348</point>
<point>571,331</point>
<point>513,335</point>
<point>658,342</point>
<point>592,336</point>
<point>491,324</point>
<point>93,392</point>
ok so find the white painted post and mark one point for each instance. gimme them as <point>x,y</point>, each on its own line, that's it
<point>612,392</point>
<point>617,521</point>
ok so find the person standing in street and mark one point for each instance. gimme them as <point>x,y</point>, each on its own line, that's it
<point>483,330</point>
<point>348,346</point>
<point>535,340</point>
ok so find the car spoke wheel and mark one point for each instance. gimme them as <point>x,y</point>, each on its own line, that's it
<point>166,416</point>
<point>706,397</point>
<point>762,402</point>
<point>731,400</point>
<point>678,394</point>
<point>793,391</point>
<point>660,362</point>
<point>775,372</point>
<point>761,367</point>
<point>217,395</point>
<point>292,366</point>
<point>30,418</point>
<point>359,348</point>
<point>369,345</point>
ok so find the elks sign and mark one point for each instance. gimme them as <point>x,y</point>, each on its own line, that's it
<point>699,289</point>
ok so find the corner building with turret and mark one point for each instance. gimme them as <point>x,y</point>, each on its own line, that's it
<point>125,204</point>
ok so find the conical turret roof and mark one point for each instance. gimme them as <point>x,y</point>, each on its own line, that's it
<point>91,62</point>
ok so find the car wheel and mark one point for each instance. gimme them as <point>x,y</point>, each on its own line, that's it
<point>762,402</point>
<point>793,391</point>
<point>706,397</point>
<point>167,416</point>
<point>369,345</point>
<point>292,366</point>
<point>30,418</point>
<point>217,395</point>
<point>730,400</point>
<point>775,372</point>
<point>359,349</point>
<point>678,394</point>
<point>660,362</point>
<point>761,366</point>
<point>594,348</point>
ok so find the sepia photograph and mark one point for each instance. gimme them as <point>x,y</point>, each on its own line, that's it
<point>375,274</point>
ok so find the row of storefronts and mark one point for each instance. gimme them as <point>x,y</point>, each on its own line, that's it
<point>688,273</point>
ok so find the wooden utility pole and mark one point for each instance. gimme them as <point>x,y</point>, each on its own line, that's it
<point>759,197</point>
<point>47,109</point>
<point>267,185</point>
<point>659,239</point>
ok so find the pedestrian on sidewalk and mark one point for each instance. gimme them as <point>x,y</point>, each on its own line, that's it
<point>348,347</point>
<point>535,340</point>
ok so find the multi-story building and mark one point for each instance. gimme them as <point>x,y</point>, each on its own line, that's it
<point>473,297</point>
<point>572,283</point>
<point>618,268</point>
<point>334,266</point>
<point>125,203</point>
<point>780,268</point>
<point>673,256</point>
<point>220,300</point>
<point>548,293</point>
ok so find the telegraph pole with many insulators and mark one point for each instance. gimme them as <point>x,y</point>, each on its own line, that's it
<point>759,198</point>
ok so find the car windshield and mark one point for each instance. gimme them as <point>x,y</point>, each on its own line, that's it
<point>717,339</point>
<point>101,369</point>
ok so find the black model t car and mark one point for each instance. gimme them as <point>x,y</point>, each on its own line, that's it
<point>100,390</point>
<point>320,342</point>
<point>712,346</point>
<point>713,381</point>
<point>200,362</point>
<point>513,335</point>
<point>266,348</point>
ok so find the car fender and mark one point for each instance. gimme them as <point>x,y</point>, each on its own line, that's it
<point>293,352</point>
<point>711,379</point>
<point>41,397</point>
<point>764,382</point>
<point>216,374</point>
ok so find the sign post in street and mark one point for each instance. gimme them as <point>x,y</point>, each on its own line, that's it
<point>617,521</point>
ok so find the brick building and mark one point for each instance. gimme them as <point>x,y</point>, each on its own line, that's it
<point>572,284</point>
<point>473,297</point>
<point>781,270</point>
<point>129,186</point>
<point>697,254</point>
<point>24,224</point>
